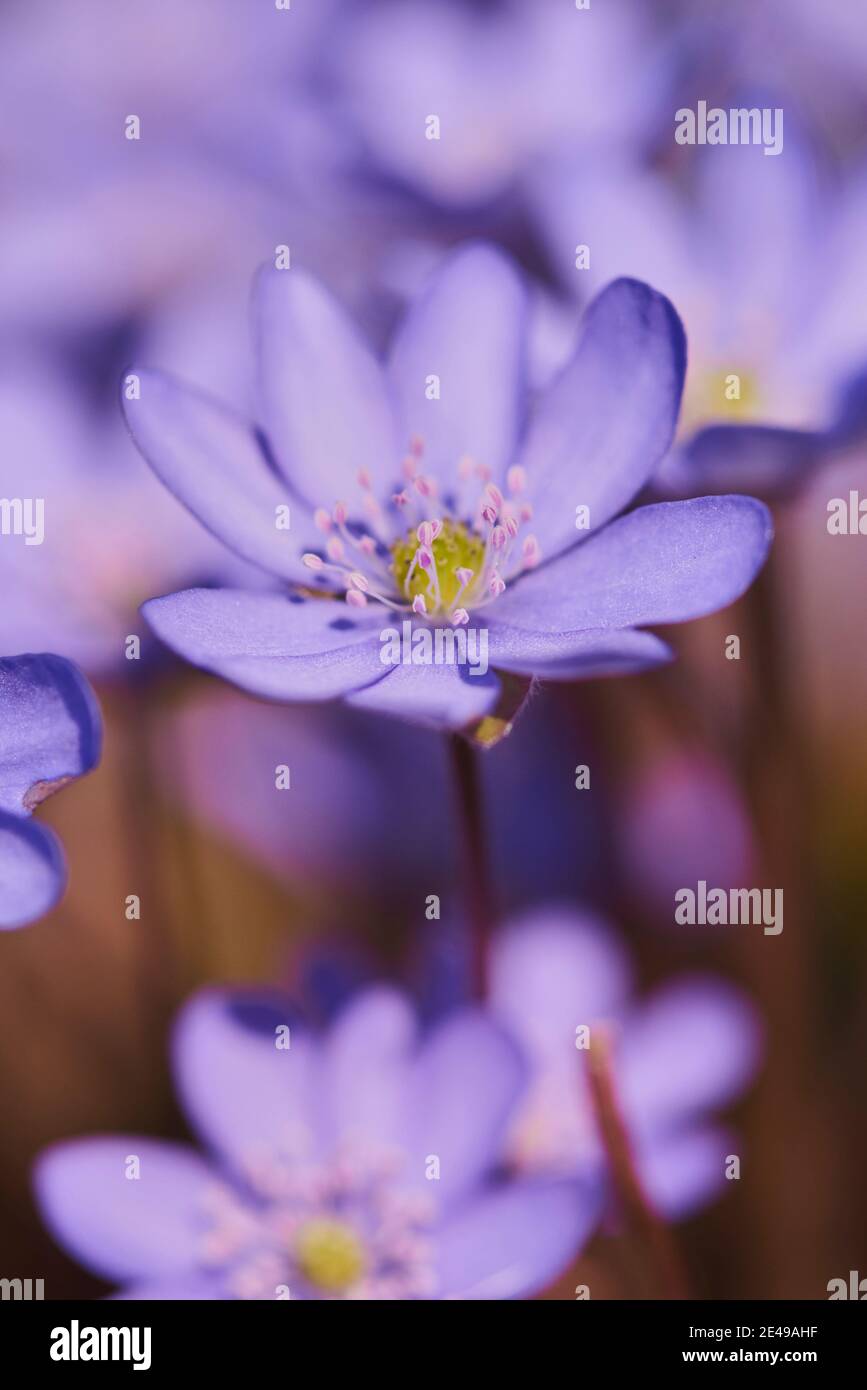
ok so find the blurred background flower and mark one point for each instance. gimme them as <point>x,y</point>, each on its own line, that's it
<point>308,129</point>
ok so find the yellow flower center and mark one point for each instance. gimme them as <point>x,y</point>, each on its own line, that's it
<point>721,395</point>
<point>329,1255</point>
<point>454,548</point>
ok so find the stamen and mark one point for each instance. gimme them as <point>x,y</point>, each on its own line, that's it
<point>516,478</point>
<point>531,553</point>
<point>418,604</point>
<point>460,617</point>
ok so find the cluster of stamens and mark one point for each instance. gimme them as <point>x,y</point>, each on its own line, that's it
<point>450,559</point>
<point>344,1230</point>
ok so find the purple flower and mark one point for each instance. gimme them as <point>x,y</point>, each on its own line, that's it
<point>356,1165</point>
<point>760,254</point>
<point>690,1048</point>
<point>419,499</point>
<point>506,84</point>
<point>50,733</point>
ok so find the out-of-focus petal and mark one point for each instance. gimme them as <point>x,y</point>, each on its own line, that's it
<point>513,1243</point>
<point>767,460</point>
<point>693,1046</point>
<point>32,871</point>
<point>465,1085</point>
<point>123,1227</point>
<point>244,1094</point>
<point>366,1068</point>
<point>553,970</point>
<point>682,1172</point>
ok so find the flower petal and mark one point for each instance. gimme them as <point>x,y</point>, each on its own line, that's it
<point>367,1066</point>
<point>684,1172</point>
<point>694,1046</point>
<point>50,728</point>
<point>32,871</point>
<point>210,458</point>
<point>279,646</point>
<point>660,564</point>
<point>553,970</point>
<point>327,408</point>
<point>607,420</point>
<point>513,1243</point>
<point>468,329</point>
<point>575,655</point>
<point>762,459</point>
<point>124,1228</point>
<point>242,1093</point>
<point>440,697</point>
<point>467,1080</point>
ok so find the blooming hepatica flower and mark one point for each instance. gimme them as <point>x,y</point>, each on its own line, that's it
<point>418,492</point>
<point>355,1166</point>
<point>777,357</point>
<point>693,1046</point>
<point>50,733</point>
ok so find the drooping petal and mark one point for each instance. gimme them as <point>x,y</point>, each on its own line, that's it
<point>664,563</point>
<point>119,1226</point>
<point>466,1083</point>
<point>50,728</point>
<point>281,647</point>
<point>553,970</point>
<point>327,407</point>
<point>575,655</point>
<point>467,329</point>
<point>512,1243</point>
<point>32,871</point>
<point>366,1068</point>
<point>694,1046</point>
<point>210,458</point>
<point>244,1094</point>
<point>604,424</point>
<point>439,697</point>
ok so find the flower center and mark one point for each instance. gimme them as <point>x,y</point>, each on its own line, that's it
<point>329,1254</point>
<point>345,1229</point>
<point>452,550</point>
<point>722,394</point>
<point>449,556</point>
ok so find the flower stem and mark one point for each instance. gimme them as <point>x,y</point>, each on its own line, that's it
<point>476,870</point>
<point>663,1257</point>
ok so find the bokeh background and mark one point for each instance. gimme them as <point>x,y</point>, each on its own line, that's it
<point>304,126</point>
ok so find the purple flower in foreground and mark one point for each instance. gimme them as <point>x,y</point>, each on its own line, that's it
<point>352,1166</point>
<point>418,499</point>
<point>50,733</point>
<point>693,1046</point>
